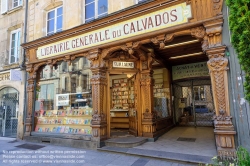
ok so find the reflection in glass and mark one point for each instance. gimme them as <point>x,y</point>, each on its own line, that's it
<point>64,99</point>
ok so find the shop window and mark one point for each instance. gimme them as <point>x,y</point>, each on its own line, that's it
<point>55,20</point>
<point>95,9</point>
<point>64,101</point>
<point>7,5</point>
<point>161,93</point>
<point>14,46</point>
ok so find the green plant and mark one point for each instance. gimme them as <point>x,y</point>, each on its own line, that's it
<point>239,19</point>
<point>243,157</point>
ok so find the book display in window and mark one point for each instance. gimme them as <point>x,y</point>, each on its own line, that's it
<point>67,120</point>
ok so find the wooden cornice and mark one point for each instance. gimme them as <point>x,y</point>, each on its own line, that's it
<point>112,18</point>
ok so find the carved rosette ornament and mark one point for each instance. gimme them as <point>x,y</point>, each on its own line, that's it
<point>97,119</point>
<point>162,39</point>
<point>131,47</point>
<point>198,32</point>
<point>149,115</point>
<point>223,122</point>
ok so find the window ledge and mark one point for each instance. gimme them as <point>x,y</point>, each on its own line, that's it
<point>11,66</point>
<point>14,9</point>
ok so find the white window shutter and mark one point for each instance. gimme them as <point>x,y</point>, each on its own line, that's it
<point>4,6</point>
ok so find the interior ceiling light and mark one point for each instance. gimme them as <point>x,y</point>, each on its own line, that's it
<point>181,44</point>
<point>187,55</point>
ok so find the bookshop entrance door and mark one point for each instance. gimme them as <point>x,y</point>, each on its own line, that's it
<point>123,113</point>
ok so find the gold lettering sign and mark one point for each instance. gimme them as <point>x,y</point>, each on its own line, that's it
<point>190,70</point>
<point>168,17</point>
<point>4,76</point>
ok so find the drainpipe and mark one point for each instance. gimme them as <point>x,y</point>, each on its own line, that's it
<point>23,67</point>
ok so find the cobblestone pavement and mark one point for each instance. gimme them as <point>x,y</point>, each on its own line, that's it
<point>15,153</point>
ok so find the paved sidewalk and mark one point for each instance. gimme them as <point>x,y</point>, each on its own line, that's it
<point>13,154</point>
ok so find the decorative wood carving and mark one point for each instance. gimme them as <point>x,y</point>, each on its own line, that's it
<point>217,7</point>
<point>205,44</point>
<point>162,39</point>
<point>222,121</point>
<point>198,32</point>
<point>149,115</point>
<point>29,68</point>
<point>99,90</point>
<point>96,60</point>
<point>147,83</point>
<point>213,31</point>
<point>67,58</point>
<point>218,66</point>
<point>27,54</point>
<point>30,91</point>
<point>97,119</point>
<point>131,47</point>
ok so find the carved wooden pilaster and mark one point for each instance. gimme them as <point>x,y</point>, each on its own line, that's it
<point>99,90</point>
<point>218,66</point>
<point>30,91</point>
<point>148,114</point>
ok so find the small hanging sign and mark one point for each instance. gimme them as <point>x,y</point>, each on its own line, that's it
<point>119,64</point>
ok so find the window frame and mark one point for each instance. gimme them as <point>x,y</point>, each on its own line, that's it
<point>96,15</point>
<point>55,20</point>
<point>20,2</point>
<point>139,1</point>
<point>18,48</point>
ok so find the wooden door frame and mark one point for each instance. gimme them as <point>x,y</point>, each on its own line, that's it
<point>118,72</point>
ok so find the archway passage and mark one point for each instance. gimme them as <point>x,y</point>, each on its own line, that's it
<point>182,99</point>
<point>183,92</point>
<point>9,101</point>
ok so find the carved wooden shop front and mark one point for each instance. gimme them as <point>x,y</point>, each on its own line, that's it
<point>205,25</point>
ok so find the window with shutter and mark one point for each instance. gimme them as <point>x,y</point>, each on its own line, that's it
<point>16,3</point>
<point>14,46</point>
<point>4,6</point>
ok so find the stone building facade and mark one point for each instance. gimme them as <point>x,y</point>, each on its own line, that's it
<point>12,76</point>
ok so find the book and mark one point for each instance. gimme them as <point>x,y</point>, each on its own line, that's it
<point>54,129</point>
<point>66,130</point>
<point>62,129</point>
<point>58,129</point>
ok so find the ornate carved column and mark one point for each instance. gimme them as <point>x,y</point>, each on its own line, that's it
<point>99,100</point>
<point>147,97</point>
<point>218,66</point>
<point>30,91</point>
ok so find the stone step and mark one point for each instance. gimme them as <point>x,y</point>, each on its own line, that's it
<point>169,156</point>
<point>126,142</point>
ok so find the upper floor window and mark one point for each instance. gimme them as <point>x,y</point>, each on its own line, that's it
<point>139,1</point>
<point>9,4</point>
<point>14,46</point>
<point>95,9</point>
<point>16,3</point>
<point>55,20</point>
